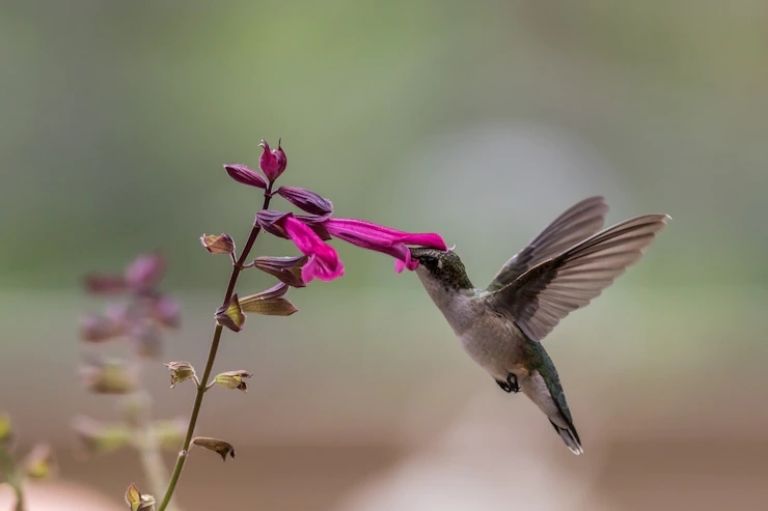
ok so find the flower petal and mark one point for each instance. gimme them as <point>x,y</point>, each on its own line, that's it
<point>383,239</point>
<point>324,262</point>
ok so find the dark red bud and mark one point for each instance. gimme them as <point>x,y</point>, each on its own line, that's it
<point>272,161</point>
<point>243,174</point>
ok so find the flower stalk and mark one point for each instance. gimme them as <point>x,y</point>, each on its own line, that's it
<point>14,479</point>
<point>202,386</point>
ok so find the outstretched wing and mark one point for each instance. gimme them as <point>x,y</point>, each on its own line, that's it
<point>577,223</point>
<point>537,300</point>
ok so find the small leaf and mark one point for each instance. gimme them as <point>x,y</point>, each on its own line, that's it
<point>133,497</point>
<point>269,302</point>
<point>231,316</point>
<point>220,447</point>
<point>270,307</point>
<point>137,501</point>
<point>287,269</point>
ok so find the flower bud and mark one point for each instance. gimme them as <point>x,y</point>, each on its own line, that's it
<point>231,315</point>
<point>269,302</point>
<point>100,438</point>
<point>243,174</point>
<point>306,200</point>
<point>145,271</point>
<point>218,243</point>
<point>39,463</point>
<point>272,161</point>
<point>109,377</point>
<point>6,429</point>
<point>233,379</point>
<point>220,447</point>
<point>287,269</point>
<point>180,371</point>
<point>138,501</point>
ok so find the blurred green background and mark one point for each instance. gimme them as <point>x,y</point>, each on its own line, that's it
<point>478,120</point>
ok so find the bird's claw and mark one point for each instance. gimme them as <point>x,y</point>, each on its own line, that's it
<point>510,385</point>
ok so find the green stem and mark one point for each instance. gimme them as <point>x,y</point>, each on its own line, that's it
<point>148,448</point>
<point>13,478</point>
<point>202,386</point>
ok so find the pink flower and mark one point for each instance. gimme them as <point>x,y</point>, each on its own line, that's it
<point>361,233</point>
<point>383,239</point>
<point>323,262</point>
<point>272,161</point>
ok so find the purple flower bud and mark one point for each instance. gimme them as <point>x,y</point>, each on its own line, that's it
<point>306,200</point>
<point>145,271</point>
<point>103,284</point>
<point>272,161</point>
<point>243,174</point>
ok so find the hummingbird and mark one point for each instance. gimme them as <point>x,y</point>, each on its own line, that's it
<point>501,327</point>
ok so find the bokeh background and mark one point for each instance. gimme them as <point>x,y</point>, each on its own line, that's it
<point>478,120</point>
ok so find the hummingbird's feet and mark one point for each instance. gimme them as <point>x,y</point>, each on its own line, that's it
<point>510,385</point>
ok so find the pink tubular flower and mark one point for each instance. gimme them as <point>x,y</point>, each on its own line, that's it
<point>361,233</point>
<point>383,239</point>
<point>323,262</point>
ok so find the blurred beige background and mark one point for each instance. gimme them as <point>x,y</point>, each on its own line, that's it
<point>481,121</point>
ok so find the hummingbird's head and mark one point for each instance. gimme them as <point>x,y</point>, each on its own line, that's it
<point>442,266</point>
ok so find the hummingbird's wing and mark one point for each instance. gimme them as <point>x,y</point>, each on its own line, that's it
<point>542,296</point>
<point>577,223</point>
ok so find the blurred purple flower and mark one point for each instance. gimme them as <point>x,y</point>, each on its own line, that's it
<point>145,271</point>
<point>100,283</point>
